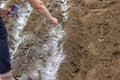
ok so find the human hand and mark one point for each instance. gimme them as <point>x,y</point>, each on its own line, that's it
<point>53,21</point>
<point>5,12</point>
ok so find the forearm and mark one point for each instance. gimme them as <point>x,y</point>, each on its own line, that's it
<point>39,6</point>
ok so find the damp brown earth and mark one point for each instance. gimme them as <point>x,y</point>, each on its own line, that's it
<point>92,40</point>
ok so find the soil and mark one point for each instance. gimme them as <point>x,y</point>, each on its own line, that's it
<point>92,40</point>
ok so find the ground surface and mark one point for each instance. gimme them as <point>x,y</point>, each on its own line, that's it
<point>92,41</point>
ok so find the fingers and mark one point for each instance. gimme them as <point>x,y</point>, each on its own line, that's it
<point>55,24</point>
<point>54,21</point>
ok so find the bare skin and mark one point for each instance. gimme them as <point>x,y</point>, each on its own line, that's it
<point>39,6</point>
<point>7,76</point>
<point>4,12</point>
